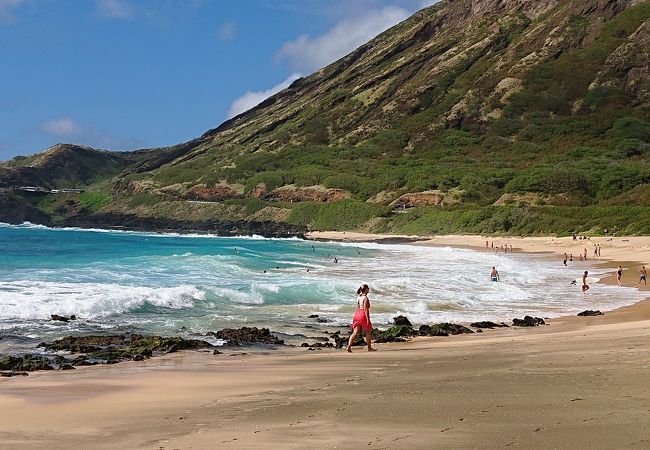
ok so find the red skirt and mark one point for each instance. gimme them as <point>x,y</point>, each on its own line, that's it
<point>361,320</point>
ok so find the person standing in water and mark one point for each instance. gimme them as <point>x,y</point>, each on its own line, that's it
<point>361,318</point>
<point>643,274</point>
<point>585,286</point>
<point>494,275</point>
<point>619,275</point>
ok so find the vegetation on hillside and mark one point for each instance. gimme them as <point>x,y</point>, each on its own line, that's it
<point>537,119</point>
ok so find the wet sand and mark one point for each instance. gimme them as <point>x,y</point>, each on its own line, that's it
<point>580,382</point>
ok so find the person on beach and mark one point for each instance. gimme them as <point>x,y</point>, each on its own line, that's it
<point>619,275</point>
<point>585,253</point>
<point>599,250</point>
<point>643,275</point>
<point>585,286</point>
<point>571,257</point>
<point>494,275</point>
<point>361,319</point>
<point>565,258</point>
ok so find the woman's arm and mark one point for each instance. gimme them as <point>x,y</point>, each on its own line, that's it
<point>366,307</point>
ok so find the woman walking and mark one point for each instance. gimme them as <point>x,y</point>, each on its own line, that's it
<point>361,318</point>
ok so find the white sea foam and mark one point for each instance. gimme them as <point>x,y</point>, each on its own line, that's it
<point>38,300</point>
<point>251,298</point>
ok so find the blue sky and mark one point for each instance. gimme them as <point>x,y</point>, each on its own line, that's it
<point>126,74</point>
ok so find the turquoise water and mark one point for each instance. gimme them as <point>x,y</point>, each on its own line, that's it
<point>188,285</point>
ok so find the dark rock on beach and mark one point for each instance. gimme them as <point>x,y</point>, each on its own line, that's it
<point>443,329</point>
<point>26,363</point>
<point>123,346</point>
<point>487,324</point>
<point>110,350</point>
<point>246,336</point>
<point>428,330</point>
<point>342,341</point>
<point>63,318</point>
<point>402,320</point>
<point>318,345</point>
<point>13,374</point>
<point>396,333</point>
<point>590,312</point>
<point>528,321</point>
<point>400,333</point>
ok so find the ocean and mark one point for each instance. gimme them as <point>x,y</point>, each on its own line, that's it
<point>187,285</point>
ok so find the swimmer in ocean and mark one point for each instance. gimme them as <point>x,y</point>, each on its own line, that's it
<point>494,275</point>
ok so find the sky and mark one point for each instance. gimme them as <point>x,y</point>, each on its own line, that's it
<point>127,74</point>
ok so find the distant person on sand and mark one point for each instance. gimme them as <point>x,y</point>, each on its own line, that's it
<point>571,257</point>
<point>565,258</point>
<point>585,286</point>
<point>494,275</point>
<point>599,250</point>
<point>595,251</point>
<point>486,244</point>
<point>362,318</point>
<point>619,275</point>
<point>585,253</point>
<point>643,274</point>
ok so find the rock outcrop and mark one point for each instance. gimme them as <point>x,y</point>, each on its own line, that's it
<point>528,321</point>
<point>487,324</point>
<point>590,312</point>
<point>305,194</point>
<point>246,336</point>
<point>216,193</point>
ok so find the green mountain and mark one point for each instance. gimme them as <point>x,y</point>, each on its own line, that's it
<point>470,116</point>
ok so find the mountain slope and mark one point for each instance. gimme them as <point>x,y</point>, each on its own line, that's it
<point>484,115</point>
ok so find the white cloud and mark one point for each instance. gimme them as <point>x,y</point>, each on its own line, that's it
<point>8,8</point>
<point>66,129</point>
<point>114,9</point>
<point>61,127</point>
<point>251,99</point>
<point>226,31</point>
<point>307,53</point>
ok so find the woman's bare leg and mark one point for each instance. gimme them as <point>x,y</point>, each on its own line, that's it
<point>353,336</point>
<point>369,340</point>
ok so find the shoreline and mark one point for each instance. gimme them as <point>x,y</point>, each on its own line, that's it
<point>548,386</point>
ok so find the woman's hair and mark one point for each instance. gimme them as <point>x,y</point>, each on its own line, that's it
<point>362,289</point>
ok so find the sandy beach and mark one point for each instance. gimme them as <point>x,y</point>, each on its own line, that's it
<point>579,382</point>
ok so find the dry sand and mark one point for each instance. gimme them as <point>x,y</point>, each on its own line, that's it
<point>576,383</point>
